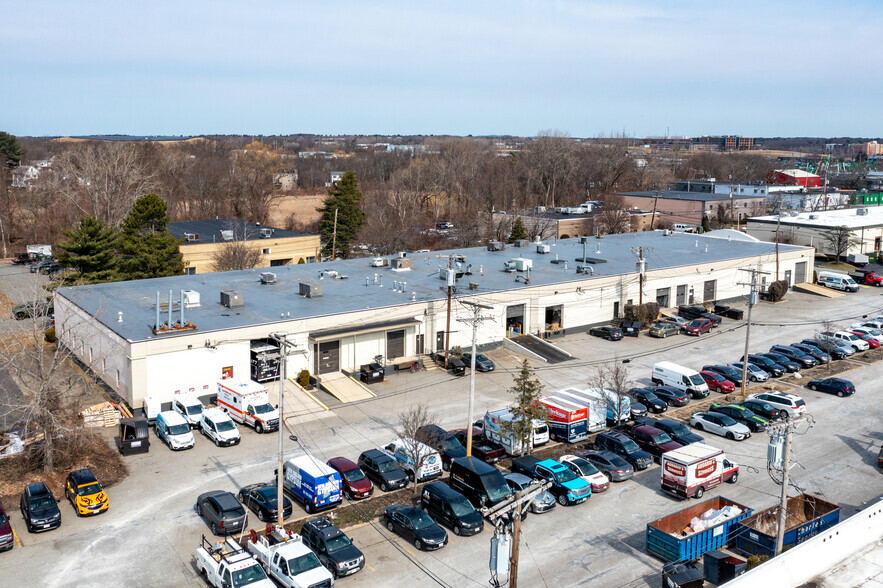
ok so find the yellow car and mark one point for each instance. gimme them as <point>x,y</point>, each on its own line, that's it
<point>85,493</point>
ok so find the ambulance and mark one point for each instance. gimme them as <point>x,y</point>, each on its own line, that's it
<point>248,403</point>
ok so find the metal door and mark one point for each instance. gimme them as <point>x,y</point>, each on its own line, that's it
<point>800,272</point>
<point>439,341</point>
<point>788,277</point>
<point>616,310</point>
<point>395,344</point>
<point>328,357</point>
<point>682,295</point>
<point>708,293</point>
<point>419,347</point>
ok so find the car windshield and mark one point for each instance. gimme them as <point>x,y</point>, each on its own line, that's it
<point>180,429</point>
<point>648,396</point>
<point>725,420</point>
<point>480,358</point>
<point>385,467</point>
<point>89,489</point>
<point>630,446</point>
<point>302,564</point>
<point>679,429</point>
<point>2,519</point>
<point>225,426</point>
<point>337,543</point>
<point>354,475</point>
<point>764,406</point>
<point>249,575</point>
<point>585,467</point>
<point>263,408</point>
<point>42,503</point>
<point>697,324</point>
<point>461,506</point>
<point>564,475</point>
<point>195,409</point>
<point>452,444</point>
<point>852,337</point>
<point>697,379</point>
<point>421,520</point>
<point>716,377</point>
<point>875,332</point>
<point>497,491</point>
<point>661,439</point>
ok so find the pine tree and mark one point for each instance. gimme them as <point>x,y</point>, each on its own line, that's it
<point>346,198</point>
<point>148,249</point>
<point>518,231</point>
<point>10,150</point>
<point>527,390</point>
<point>90,249</point>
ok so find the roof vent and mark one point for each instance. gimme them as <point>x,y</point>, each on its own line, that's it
<point>268,278</point>
<point>308,290</point>
<point>266,233</point>
<point>813,217</point>
<point>542,248</point>
<point>191,298</point>
<point>227,235</point>
<point>496,246</point>
<point>232,299</point>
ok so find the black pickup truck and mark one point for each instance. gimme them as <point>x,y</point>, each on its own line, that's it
<point>482,447</point>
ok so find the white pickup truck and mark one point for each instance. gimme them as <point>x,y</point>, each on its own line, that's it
<point>288,560</point>
<point>227,565</point>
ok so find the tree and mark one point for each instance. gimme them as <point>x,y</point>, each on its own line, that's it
<point>550,161</point>
<point>706,224</point>
<point>346,198</point>
<point>237,254</point>
<point>90,250</point>
<point>518,231</point>
<point>148,249</point>
<point>526,409</point>
<point>415,440</point>
<point>841,239</point>
<point>612,380</point>
<point>10,150</point>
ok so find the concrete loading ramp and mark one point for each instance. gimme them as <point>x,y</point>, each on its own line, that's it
<point>345,388</point>
<point>816,289</point>
<point>536,348</point>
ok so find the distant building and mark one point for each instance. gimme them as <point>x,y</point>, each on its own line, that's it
<point>795,177</point>
<point>712,143</point>
<point>572,221</point>
<point>24,176</point>
<point>812,229</point>
<point>869,149</point>
<point>285,181</point>
<point>203,239</point>
<point>682,207</point>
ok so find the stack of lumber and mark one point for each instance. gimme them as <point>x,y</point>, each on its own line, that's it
<point>101,415</point>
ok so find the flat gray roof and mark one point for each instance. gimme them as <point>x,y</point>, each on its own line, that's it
<point>265,304</point>
<point>826,219</point>
<point>694,196</point>
<point>209,231</point>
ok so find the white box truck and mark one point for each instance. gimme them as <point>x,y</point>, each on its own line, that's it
<point>249,403</point>
<point>693,469</point>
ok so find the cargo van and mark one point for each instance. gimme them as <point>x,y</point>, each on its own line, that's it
<point>447,506</point>
<point>483,484</point>
<point>188,407</point>
<point>315,484</point>
<point>837,281</point>
<point>219,427</point>
<point>174,430</point>
<point>666,373</point>
<point>492,426</point>
<point>693,469</point>
<point>404,450</point>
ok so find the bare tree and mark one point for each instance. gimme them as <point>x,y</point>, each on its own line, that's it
<point>239,253</point>
<point>612,380</point>
<point>550,160</point>
<point>415,441</point>
<point>841,240</point>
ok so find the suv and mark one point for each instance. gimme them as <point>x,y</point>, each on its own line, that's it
<point>334,549</point>
<point>698,326</point>
<point>85,493</point>
<point>798,355</point>
<point>447,506</point>
<point>355,483</point>
<point>653,440</point>
<point>766,364</point>
<point>834,349</point>
<point>677,431</point>
<point>33,309</point>
<point>787,404</point>
<point>39,508</point>
<point>7,540</point>
<point>221,510</point>
<point>621,444</point>
<point>446,443</point>
<point>383,470</point>
<point>813,351</point>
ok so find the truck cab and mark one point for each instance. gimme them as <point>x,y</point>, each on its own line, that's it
<point>567,487</point>
<point>190,408</point>
<point>288,560</point>
<point>227,565</point>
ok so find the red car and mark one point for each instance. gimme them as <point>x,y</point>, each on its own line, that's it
<point>356,484</point>
<point>697,327</point>
<point>872,342</point>
<point>7,541</point>
<point>717,382</point>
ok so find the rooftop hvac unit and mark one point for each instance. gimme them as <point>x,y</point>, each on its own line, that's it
<point>861,211</point>
<point>543,248</point>
<point>448,275</point>
<point>522,243</point>
<point>813,216</point>
<point>232,299</point>
<point>522,264</point>
<point>266,233</point>
<point>402,263</point>
<point>227,235</point>
<point>496,246</point>
<point>509,266</point>
<point>191,237</point>
<point>540,209</point>
<point>268,278</point>
<point>191,298</point>
<point>310,290</point>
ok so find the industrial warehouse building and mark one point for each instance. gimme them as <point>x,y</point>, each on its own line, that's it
<point>342,314</point>
<point>813,229</point>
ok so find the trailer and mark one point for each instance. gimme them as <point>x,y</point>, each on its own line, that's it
<point>807,516</point>
<point>594,402</point>
<point>672,538</point>
<point>567,419</point>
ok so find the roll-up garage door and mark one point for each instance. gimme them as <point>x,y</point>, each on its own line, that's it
<point>395,344</point>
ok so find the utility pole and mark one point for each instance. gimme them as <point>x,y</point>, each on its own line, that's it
<point>653,216</point>
<point>514,508</point>
<point>778,220</point>
<point>516,541</point>
<point>448,327</point>
<point>782,432</point>
<point>752,300</point>
<point>475,321</point>
<point>641,267</point>
<point>283,348</point>
<point>334,238</point>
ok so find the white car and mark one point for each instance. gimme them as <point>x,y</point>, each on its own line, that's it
<point>871,332</point>
<point>845,338</point>
<point>788,405</point>
<point>870,324</point>
<point>219,427</point>
<point>585,470</point>
<point>755,374</point>
<point>720,424</point>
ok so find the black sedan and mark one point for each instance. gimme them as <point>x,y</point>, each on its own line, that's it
<point>730,373</point>
<point>837,386</point>
<point>609,333</point>
<point>789,364</point>
<point>415,525</point>
<point>828,347</point>
<point>261,499</point>
<point>646,397</point>
<point>39,508</point>
<point>677,431</point>
<point>766,364</point>
<point>671,396</point>
<point>762,409</point>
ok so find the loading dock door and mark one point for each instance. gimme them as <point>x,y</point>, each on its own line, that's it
<point>800,272</point>
<point>328,358</point>
<point>682,295</point>
<point>515,320</point>
<point>709,290</point>
<point>395,344</point>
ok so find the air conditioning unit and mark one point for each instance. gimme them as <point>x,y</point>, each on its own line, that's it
<point>522,243</point>
<point>266,233</point>
<point>449,276</point>
<point>191,298</point>
<point>509,266</point>
<point>543,248</point>
<point>268,278</point>
<point>308,290</point>
<point>232,299</point>
<point>227,235</point>
<point>496,246</point>
<point>861,211</point>
<point>523,264</point>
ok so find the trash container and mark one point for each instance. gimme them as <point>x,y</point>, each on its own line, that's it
<point>134,436</point>
<point>681,575</point>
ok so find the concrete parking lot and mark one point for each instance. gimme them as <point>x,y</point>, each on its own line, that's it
<point>151,530</point>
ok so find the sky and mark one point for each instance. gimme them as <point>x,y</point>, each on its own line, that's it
<point>634,67</point>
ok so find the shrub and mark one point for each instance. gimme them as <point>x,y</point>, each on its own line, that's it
<point>646,313</point>
<point>777,290</point>
<point>304,378</point>
<point>564,236</point>
<point>755,560</point>
<point>50,335</point>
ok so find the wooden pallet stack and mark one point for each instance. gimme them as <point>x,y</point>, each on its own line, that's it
<point>101,415</point>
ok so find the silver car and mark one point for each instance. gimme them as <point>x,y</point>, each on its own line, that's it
<point>543,502</point>
<point>720,424</point>
<point>755,374</point>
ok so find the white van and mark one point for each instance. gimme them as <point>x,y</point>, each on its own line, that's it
<point>174,430</point>
<point>219,427</point>
<point>188,407</point>
<point>430,466</point>
<point>682,228</point>
<point>837,281</point>
<point>666,373</point>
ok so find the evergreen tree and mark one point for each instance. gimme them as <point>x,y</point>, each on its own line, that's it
<point>527,390</point>
<point>148,249</point>
<point>90,249</point>
<point>518,231</point>
<point>706,224</point>
<point>10,150</point>
<point>346,198</point>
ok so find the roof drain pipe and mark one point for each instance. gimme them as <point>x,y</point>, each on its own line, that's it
<point>156,324</point>
<point>182,308</point>
<point>170,309</point>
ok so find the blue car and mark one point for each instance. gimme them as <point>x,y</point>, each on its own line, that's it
<point>837,386</point>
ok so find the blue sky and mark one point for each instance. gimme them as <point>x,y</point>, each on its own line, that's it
<point>759,68</point>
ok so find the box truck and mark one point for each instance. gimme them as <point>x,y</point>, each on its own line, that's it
<point>599,409</point>
<point>567,419</point>
<point>693,469</point>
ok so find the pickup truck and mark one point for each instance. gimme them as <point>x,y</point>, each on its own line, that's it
<point>288,560</point>
<point>227,565</point>
<point>566,486</point>
<point>867,277</point>
<point>482,448</point>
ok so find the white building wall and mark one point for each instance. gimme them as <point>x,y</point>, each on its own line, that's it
<point>815,237</point>
<point>195,371</point>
